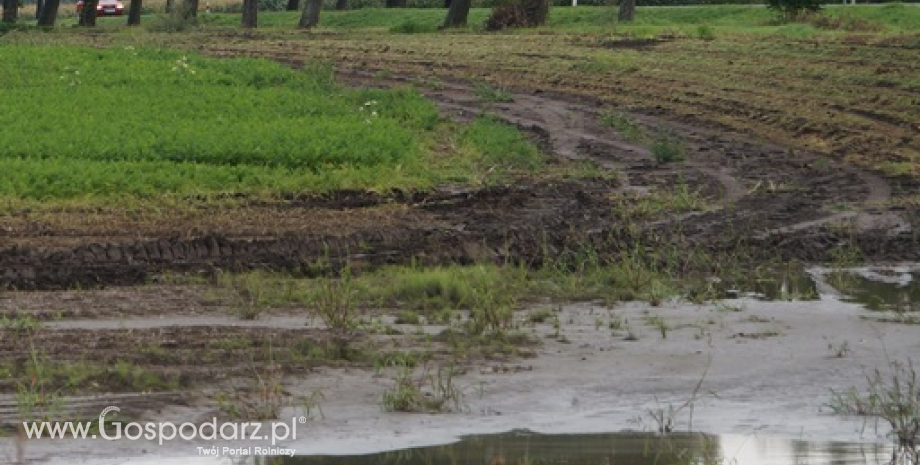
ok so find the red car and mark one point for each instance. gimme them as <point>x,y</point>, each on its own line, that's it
<point>106,8</point>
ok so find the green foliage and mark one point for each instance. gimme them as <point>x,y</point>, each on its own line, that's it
<point>499,144</point>
<point>667,148</point>
<point>705,32</point>
<point>629,130</point>
<point>95,123</point>
<point>892,397</point>
<point>433,391</point>
<point>493,94</point>
<point>790,10</point>
<point>335,301</point>
<point>449,288</point>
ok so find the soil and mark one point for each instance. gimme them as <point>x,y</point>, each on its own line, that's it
<point>765,201</point>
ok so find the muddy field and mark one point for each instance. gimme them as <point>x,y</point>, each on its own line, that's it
<point>763,200</point>
<point>96,277</point>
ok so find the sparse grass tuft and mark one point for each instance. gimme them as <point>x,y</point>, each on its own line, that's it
<point>493,94</point>
<point>430,392</point>
<point>628,128</point>
<point>667,148</point>
<point>892,397</point>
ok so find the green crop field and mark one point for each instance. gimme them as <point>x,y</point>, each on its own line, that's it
<point>79,123</point>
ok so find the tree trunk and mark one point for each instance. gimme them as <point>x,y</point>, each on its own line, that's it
<point>38,7</point>
<point>10,11</point>
<point>395,3</point>
<point>134,13</point>
<point>48,14</point>
<point>537,12</point>
<point>88,13</point>
<point>447,3</point>
<point>457,13</point>
<point>250,14</point>
<point>190,9</point>
<point>169,6</point>
<point>293,5</point>
<point>341,5</point>
<point>310,16</point>
<point>627,10</point>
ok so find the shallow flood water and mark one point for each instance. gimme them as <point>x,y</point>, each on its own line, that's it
<point>883,291</point>
<point>525,448</point>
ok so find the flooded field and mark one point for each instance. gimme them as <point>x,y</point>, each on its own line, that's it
<point>620,290</point>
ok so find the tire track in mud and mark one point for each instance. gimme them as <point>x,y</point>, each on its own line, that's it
<point>768,198</point>
<point>564,123</point>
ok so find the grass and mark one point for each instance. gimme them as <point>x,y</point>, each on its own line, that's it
<point>432,391</point>
<point>493,94</point>
<point>895,18</point>
<point>629,129</point>
<point>664,145</point>
<point>892,397</point>
<point>667,148</point>
<point>482,300</point>
<point>142,123</point>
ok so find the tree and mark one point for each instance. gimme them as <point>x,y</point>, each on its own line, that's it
<point>293,5</point>
<point>88,13</point>
<point>789,10</point>
<point>522,13</point>
<point>537,11</point>
<point>457,13</point>
<point>395,3</point>
<point>310,17</point>
<point>189,9</point>
<point>134,13</point>
<point>48,14</point>
<point>10,11</point>
<point>626,11</point>
<point>250,14</point>
<point>341,5</point>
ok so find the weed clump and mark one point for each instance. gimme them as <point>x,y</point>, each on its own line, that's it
<point>667,148</point>
<point>507,16</point>
<point>791,10</point>
<point>893,398</point>
<point>433,391</point>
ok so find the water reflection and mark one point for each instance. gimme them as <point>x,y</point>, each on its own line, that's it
<point>785,284</point>
<point>526,448</point>
<point>888,291</point>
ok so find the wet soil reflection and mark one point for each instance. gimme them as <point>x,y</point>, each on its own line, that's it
<point>526,448</point>
<point>880,290</point>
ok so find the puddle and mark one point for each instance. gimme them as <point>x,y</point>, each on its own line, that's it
<point>778,285</point>
<point>526,448</point>
<point>522,447</point>
<point>878,288</point>
<point>901,294</point>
